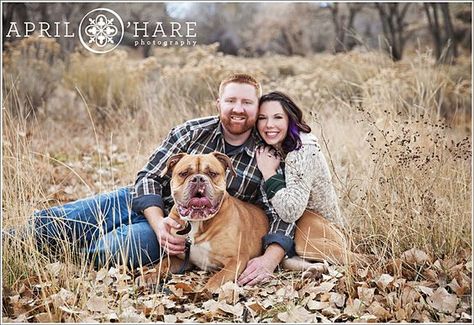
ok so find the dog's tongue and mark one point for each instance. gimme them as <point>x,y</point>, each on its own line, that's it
<point>200,202</point>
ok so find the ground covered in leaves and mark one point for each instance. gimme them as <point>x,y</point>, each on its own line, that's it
<point>413,288</point>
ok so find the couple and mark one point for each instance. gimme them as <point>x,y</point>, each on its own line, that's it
<point>286,176</point>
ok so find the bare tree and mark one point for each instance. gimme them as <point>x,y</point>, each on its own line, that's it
<point>392,16</point>
<point>443,33</point>
<point>13,12</point>
<point>343,20</point>
<point>285,28</point>
<point>225,23</point>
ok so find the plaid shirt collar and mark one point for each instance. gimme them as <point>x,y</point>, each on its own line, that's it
<point>249,145</point>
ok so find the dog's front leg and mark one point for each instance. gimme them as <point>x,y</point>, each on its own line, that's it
<point>169,264</point>
<point>230,272</point>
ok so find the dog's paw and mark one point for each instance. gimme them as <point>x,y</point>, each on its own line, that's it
<point>315,271</point>
<point>149,278</point>
<point>211,287</point>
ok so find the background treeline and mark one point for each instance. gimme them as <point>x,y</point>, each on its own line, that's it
<point>253,29</point>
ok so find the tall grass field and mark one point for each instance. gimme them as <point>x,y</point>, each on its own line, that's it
<point>396,135</point>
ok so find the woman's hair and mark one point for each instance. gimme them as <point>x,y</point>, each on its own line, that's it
<point>296,124</point>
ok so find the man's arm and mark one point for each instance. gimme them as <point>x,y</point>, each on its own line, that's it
<point>147,195</point>
<point>278,243</point>
<point>280,232</point>
<point>148,185</point>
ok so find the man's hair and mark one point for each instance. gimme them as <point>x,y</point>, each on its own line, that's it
<point>241,78</point>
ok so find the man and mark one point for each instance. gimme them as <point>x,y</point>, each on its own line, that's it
<point>136,235</point>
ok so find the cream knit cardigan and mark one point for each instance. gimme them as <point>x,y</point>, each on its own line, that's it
<point>308,185</point>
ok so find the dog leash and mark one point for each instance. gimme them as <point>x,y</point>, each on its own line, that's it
<point>187,251</point>
<point>187,248</point>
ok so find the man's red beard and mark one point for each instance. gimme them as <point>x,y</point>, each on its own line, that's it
<point>237,128</point>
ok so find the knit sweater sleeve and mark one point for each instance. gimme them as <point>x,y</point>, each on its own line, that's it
<point>306,173</point>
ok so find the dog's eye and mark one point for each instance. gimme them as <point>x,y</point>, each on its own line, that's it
<point>183,174</point>
<point>212,174</point>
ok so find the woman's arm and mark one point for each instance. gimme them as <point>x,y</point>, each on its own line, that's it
<point>306,172</point>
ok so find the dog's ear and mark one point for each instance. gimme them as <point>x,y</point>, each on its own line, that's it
<point>171,163</point>
<point>225,161</point>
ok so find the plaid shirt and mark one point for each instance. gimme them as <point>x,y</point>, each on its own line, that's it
<point>201,136</point>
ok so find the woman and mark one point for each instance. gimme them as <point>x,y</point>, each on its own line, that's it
<point>307,181</point>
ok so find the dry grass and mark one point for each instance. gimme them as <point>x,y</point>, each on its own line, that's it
<point>397,136</point>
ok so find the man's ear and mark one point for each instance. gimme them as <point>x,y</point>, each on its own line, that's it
<point>225,161</point>
<point>218,105</point>
<point>171,163</point>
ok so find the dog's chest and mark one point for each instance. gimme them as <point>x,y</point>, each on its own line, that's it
<point>201,253</point>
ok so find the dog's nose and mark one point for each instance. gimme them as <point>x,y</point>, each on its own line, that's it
<point>197,179</point>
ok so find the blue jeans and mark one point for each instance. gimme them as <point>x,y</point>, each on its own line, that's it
<point>103,227</point>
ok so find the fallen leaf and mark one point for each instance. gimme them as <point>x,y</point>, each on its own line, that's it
<point>184,286</point>
<point>362,272</point>
<point>366,295</point>
<point>415,256</point>
<point>287,292</point>
<point>446,318</point>
<point>97,304</point>
<point>337,299</point>
<point>230,292</point>
<point>384,280</point>
<point>63,297</point>
<point>409,295</point>
<point>317,305</point>
<point>54,268</point>
<point>235,310</point>
<point>401,314</point>
<point>426,290</point>
<point>255,307</point>
<point>69,310</point>
<point>354,308</point>
<point>430,275</point>
<point>422,317</point>
<point>367,319</point>
<point>210,305</point>
<point>131,316</point>
<point>323,287</point>
<point>101,274</point>
<point>377,309</point>
<point>443,301</point>
<point>466,317</point>
<point>297,315</point>
<point>170,319</point>
<point>330,311</point>
<point>47,318</point>
<point>459,290</point>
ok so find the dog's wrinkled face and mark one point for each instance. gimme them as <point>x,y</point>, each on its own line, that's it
<point>198,184</point>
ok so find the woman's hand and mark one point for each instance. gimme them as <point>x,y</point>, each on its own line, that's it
<point>267,161</point>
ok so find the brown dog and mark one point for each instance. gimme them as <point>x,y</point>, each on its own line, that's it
<point>225,232</point>
<point>318,240</point>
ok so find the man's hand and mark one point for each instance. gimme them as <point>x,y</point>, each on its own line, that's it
<point>261,268</point>
<point>172,245</point>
